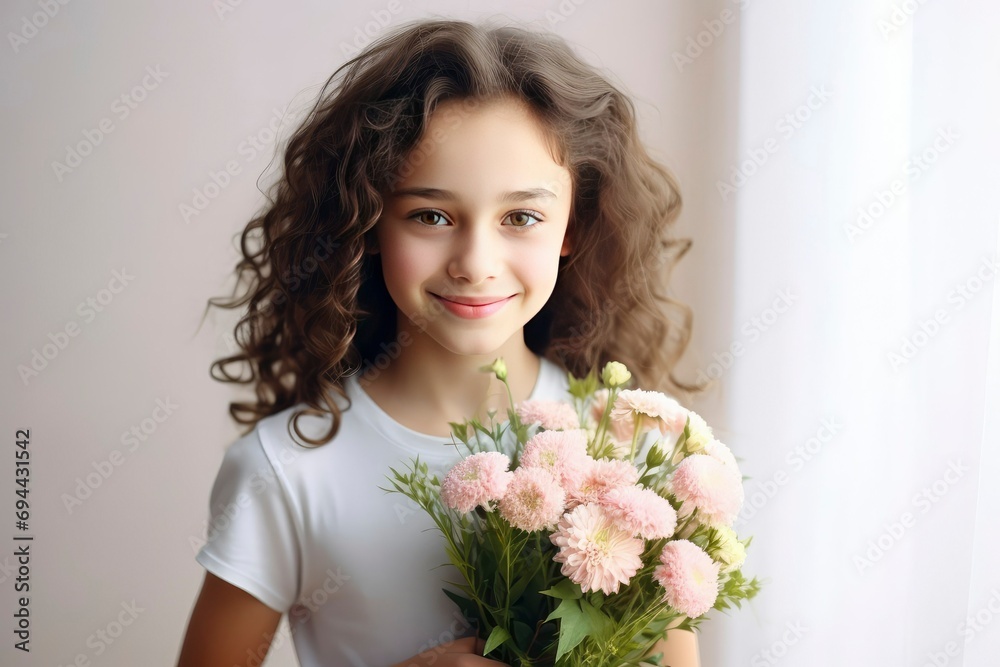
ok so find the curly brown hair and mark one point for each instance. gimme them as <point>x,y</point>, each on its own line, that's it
<point>318,306</point>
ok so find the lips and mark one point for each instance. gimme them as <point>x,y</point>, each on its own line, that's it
<point>487,305</point>
<point>473,300</point>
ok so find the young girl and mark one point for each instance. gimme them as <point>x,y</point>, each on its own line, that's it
<point>465,192</point>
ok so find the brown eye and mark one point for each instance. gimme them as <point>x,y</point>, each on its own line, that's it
<point>520,219</point>
<point>427,217</point>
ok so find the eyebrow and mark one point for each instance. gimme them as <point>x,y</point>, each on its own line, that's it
<point>447,195</point>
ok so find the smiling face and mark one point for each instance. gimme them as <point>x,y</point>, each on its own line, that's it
<point>482,217</point>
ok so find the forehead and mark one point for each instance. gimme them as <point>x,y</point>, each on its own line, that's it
<point>481,148</point>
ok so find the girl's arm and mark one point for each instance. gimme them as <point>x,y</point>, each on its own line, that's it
<point>228,627</point>
<point>680,649</point>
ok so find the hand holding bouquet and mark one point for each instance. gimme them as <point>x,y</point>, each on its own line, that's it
<point>571,551</point>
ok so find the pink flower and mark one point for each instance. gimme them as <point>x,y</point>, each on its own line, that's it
<point>552,415</point>
<point>710,486</point>
<point>595,553</point>
<point>601,476</point>
<point>689,576</point>
<point>562,453</point>
<point>534,499</point>
<point>640,511</point>
<point>476,480</point>
<point>719,451</point>
<point>655,409</point>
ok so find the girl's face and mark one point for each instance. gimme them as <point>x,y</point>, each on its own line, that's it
<point>479,214</point>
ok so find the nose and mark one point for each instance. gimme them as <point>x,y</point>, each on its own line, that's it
<point>476,255</point>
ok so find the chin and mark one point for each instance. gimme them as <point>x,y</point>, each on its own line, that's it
<point>473,347</point>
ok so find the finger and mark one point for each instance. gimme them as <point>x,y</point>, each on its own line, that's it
<point>480,645</point>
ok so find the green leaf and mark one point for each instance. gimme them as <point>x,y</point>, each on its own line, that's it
<point>522,634</point>
<point>520,584</point>
<point>460,431</point>
<point>597,622</point>
<point>465,605</point>
<point>582,387</point>
<point>564,590</point>
<point>497,637</point>
<point>572,626</point>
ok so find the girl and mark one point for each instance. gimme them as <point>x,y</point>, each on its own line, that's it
<point>465,192</point>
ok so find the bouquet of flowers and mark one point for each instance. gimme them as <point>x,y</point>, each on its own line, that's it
<point>571,551</point>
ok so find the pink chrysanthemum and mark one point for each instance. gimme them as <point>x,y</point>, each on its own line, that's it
<point>719,451</point>
<point>710,486</point>
<point>534,499</point>
<point>562,453</point>
<point>640,511</point>
<point>689,576</point>
<point>595,553</point>
<point>656,409</point>
<point>621,430</point>
<point>476,480</point>
<point>551,415</point>
<point>601,476</point>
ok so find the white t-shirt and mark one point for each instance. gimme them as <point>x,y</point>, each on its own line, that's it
<point>308,532</point>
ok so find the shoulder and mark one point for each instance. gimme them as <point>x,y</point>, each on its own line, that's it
<point>280,435</point>
<point>272,450</point>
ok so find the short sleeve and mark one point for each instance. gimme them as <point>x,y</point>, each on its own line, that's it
<point>252,542</point>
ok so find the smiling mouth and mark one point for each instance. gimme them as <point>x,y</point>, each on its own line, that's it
<point>467,311</point>
<point>479,301</point>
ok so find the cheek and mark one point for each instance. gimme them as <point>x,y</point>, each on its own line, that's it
<point>403,264</point>
<point>538,267</point>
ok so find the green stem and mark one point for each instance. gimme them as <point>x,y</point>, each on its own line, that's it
<point>636,420</point>
<point>600,434</point>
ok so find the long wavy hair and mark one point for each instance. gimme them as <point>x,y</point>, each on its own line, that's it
<point>318,308</point>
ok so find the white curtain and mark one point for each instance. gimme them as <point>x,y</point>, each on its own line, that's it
<point>864,388</point>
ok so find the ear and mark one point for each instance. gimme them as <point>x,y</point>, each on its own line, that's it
<point>567,246</point>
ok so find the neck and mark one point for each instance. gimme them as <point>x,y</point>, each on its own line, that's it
<point>428,385</point>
